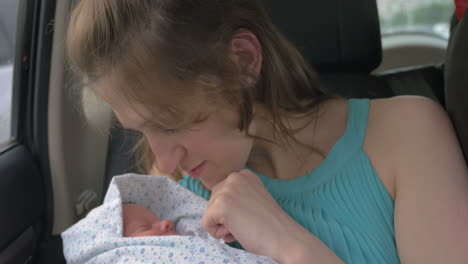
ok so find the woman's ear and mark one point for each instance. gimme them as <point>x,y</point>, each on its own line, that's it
<point>245,51</point>
<point>252,128</point>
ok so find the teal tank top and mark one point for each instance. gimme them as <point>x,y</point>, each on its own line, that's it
<point>342,201</point>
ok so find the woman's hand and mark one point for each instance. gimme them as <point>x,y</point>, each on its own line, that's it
<point>241,209</point>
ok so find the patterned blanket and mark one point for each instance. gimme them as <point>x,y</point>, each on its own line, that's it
<point>98,237</point>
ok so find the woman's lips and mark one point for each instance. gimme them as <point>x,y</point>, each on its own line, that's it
<point>197,171</point>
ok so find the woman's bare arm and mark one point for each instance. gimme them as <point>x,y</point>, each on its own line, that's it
<point>431,204</point>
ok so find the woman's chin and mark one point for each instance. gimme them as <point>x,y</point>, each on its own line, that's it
<point>208,184</point>
<point>210,178</point>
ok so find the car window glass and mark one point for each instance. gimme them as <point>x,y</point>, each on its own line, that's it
<point>416,16</point>
<point>8,17</point>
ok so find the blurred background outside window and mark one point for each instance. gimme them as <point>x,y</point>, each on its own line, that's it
<point>416,16</point>
<point>8,17</point>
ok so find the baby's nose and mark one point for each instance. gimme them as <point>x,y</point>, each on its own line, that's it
<point>166,226</point>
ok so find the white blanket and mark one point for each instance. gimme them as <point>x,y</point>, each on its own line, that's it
<point>98,237</point>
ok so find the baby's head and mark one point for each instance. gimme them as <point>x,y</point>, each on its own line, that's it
<point>139,221</point>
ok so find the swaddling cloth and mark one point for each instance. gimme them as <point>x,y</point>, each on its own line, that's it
<point>98,237</point>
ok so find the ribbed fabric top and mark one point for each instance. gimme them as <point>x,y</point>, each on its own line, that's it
<point>342,201</point>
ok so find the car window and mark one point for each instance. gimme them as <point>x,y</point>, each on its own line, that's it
<point>416,16</point>
<point>8,17</point>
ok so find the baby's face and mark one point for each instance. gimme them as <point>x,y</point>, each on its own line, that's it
<point>139,221</point>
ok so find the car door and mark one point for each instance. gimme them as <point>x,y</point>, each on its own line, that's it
<point>25,42</point>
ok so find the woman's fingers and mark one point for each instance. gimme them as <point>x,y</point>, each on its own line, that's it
<point>219,231</point>
<point>241,209</point>
<point>229,238</point>
<point>213,220</point>
<point>222,232</point>
<point>215,190</point>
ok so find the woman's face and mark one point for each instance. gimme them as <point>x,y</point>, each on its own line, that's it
<point>208,151</point>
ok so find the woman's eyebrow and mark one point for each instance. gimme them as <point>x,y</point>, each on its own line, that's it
<point>144,124</point>
<point>148,124</point>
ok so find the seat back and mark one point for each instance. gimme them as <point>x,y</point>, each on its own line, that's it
<point>334,35</point>
<point>341,39</point>
<point>120,155</point>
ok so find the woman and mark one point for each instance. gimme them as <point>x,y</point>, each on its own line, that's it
<point>290,172</point>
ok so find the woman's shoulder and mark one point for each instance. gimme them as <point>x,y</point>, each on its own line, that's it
<point>417,105</point>
<point>406,122</point>
<point>406,117</point>
<point>430,176</point>
<point>397,126</point>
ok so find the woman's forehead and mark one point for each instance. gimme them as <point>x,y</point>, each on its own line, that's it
<point>129,118</point>
<point>136,109</point>
<point>105,90</point>
<point>137,115</point>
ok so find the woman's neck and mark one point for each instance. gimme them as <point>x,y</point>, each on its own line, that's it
<point>296,158</point>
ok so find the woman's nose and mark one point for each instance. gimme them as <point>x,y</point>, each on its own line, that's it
<point>167,158</point>
<point>168,162</point>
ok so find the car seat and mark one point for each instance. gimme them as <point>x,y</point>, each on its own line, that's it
<point>456,80</point>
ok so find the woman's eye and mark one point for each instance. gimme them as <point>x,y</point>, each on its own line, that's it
<point>169,131</point>
<point>132,132</point>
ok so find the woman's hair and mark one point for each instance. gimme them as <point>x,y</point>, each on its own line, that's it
<point>169,54</point>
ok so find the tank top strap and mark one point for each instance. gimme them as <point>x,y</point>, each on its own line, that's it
<point>358,113</point>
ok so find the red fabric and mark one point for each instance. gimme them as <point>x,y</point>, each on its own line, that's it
<point>461,6</point>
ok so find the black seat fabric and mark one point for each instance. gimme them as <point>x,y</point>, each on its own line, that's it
<point>334,35</point>
<point>120,156</point>
<point>456,81</point>
<point>356,85</point>
<point>341,39</point>
<point>427,80</point>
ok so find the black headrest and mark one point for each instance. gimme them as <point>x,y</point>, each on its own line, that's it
<point>334,35</point>
<point>456,81</point>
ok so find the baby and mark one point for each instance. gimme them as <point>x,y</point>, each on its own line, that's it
<point>139,221</point>
<point>121,231</point>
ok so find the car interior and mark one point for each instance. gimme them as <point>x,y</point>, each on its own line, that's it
<point>65,145</point>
